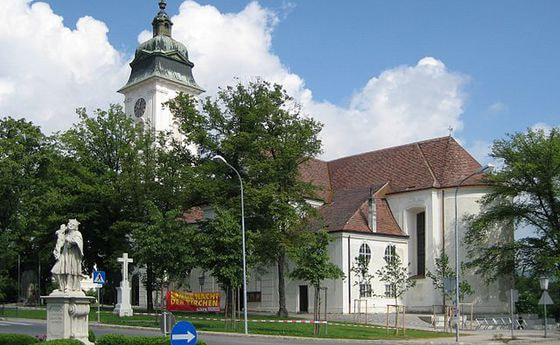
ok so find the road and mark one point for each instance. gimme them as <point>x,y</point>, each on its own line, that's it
<point>39,327</point>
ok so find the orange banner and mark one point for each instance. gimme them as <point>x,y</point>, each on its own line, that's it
<point>193,301</point>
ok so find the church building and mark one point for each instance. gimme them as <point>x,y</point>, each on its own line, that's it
<point>395,201</point>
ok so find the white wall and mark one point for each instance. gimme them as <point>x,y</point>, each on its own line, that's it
<point>489,298</point>
<point>342,293</point>
<point>440,234</point>
<point>351,288</point>
<point>156,91</point>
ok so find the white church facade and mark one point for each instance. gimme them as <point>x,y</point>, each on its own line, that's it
<point>399,200</point>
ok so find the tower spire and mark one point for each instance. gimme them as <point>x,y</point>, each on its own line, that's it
<point>162,23</point>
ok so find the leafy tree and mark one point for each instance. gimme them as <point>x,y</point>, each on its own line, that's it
<point>360,268</point>
<point>525,193</point>
<point>128,187</point>
<point>261,132</point>
<point>98,153</point>
<point>161,239</point>
<point>530,294</point>
<point>395,275</point>
<point>26,157</point>
<point>219,243</point>
<point>444,273</point>
<point>313,264</point>
<point>163,245</point>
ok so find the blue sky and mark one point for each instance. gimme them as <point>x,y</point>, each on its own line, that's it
<point>501,58</point>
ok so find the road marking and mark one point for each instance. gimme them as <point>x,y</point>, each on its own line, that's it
<point>7,323</point>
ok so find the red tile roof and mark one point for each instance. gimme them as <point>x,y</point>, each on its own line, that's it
<point>317,172</point>
<point>345,183</point>
<point>194,215</point>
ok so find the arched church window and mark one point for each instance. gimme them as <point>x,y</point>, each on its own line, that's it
<point>365,253</point>
<point>390,253</point>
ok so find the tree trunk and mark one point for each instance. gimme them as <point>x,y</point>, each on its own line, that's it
<point>444,301</point>
<point>282,311</point>
<point>150,288</point>
<point>316,310</point>
<point>229,309</point>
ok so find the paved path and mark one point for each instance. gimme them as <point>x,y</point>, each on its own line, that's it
<point>38,327</point>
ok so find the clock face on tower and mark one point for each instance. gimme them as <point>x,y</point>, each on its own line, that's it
<point>140,107</point>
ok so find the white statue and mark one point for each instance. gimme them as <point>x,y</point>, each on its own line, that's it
<point>68,252</point>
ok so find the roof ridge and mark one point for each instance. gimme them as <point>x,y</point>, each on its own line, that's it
<point>392,215</point>
<point>388,148</point>
<point>436,182</point>
<point>330,196</point>
<point>446,158</point>
<point>353,214</point>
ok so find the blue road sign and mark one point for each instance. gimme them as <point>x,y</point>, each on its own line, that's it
<point>99,277</point>
<point>183,333</point>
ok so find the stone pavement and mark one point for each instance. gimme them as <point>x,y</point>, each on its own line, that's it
<point>412,320</point>
<point>419,321</point>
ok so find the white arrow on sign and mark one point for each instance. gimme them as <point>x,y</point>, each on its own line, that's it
<point>188,337</point>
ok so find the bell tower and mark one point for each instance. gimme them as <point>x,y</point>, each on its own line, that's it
<point>160,70</point>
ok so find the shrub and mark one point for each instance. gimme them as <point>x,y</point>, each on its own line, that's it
<point>117,339</point>
<point>91,336</point>
<point>16,339</point>
<point>63,342</point>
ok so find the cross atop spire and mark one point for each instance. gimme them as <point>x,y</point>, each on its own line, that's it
<point>162,4</point>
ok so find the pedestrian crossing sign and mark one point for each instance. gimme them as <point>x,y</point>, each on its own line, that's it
<point>99,277</point>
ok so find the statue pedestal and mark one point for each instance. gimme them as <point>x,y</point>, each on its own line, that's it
<point>67,315</point>
<point>123,307</point>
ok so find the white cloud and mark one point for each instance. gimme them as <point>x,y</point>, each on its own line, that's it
<point>542,126</point>
<point>498,107</point>
<point>225,46</point>
<point>400,105</point>
<point>6,89</point>
<point>48,70</point>
<point>481,151</point>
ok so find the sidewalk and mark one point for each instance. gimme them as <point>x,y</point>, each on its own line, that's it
<point>416,321</point>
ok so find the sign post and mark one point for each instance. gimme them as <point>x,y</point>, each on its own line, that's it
<point>183,333</point>
<point>99,280</point>
<point>513,298</point>
<point>545,299</point>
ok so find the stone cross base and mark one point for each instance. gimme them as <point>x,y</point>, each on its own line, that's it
<point>123,307</point>
<point>67,316</point>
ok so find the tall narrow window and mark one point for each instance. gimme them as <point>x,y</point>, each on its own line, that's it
<point>421,243</point>
<point>365,253</point>
<point>390,253</point>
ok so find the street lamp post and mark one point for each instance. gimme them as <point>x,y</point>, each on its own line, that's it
<point>218,157</point>
<point>544,287</point>
<point>487,168</point>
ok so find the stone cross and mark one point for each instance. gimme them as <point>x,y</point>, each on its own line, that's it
<point>125,261</point>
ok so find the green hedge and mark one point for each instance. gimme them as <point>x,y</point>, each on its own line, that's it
<point>20,339</point>
<point>16,339</point>
<point>63,342</point>
<point>117,339</point>
<point>91,336</point>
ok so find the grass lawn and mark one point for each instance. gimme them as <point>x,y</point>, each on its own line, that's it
<point>287,329</point>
